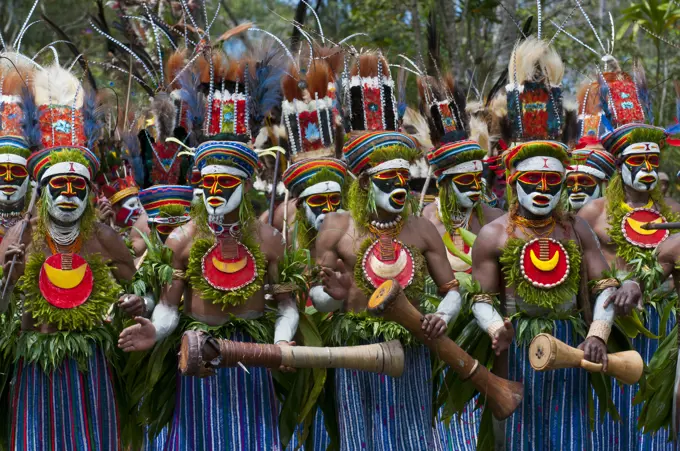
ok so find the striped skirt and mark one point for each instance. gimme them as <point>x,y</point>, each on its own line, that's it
<point>232,410</point>
<point>554,412</point>
<point>65,409</point>
<point>381,413</point>
<point>624,435</point>
<point>158,442</point>
<point>320,441</point>
<point>461,433</point>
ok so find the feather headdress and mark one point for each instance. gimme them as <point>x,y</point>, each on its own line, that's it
<point>372,104</point>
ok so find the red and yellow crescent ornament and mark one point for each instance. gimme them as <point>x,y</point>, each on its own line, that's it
<point>66,280</point>
<point>631,226</point>
<point>378,270</point>
<point>229,274</point>
<point>544,263</point>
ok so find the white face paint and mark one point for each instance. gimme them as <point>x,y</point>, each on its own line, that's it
<point>540,208</point>
<point>198,195</point>
<point>312,218</point>
<point>218,206</point>
<point>68,214</point>
<point>130,210</point>
<point>11,194</point>
<point>467,199</point>
<point>651,178</point>
<point>578,200</point>
<point>384,201</point>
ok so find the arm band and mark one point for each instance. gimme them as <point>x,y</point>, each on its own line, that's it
<point>165,319</point>
<point>286,320</point>
<point>322,301</point>
<point>450,306</point>
<point>603,318</point>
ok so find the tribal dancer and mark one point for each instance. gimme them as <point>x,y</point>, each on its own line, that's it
<point>67,265</point>
<point>632,199</point>
<point>590,169</point>
<point>379,239</point>
<point>546,292</point>
<point>457,164</point>
<point>220,259</point>
<point>315,180</point>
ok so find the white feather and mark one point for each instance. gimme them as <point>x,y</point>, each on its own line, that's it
<point>55,85</point>
<point>533,54</point>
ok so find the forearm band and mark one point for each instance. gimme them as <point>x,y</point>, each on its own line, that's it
<point>484,298</point>
<point>603,284</point>
<point>449,286</point>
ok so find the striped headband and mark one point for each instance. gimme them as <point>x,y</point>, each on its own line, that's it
<point>548,150</point>
<point>39,164</point>
<point>357,152</point>
<point>230,153</point>
<point>616,141</point>
<point>445,158</point>
<point>598,163</point>
<point>305,173</point>
<point>157,196</point>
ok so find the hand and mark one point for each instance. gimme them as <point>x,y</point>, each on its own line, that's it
<point>283,368</point>
<point>18,250</point>
<point>139,337</point>
<point>595,350</point>
<point>625,298</point>
<point>336,283</point>
<point>132,305</point>
<point>433,326</point>
<point>502,338</point>
<point>105,210</point>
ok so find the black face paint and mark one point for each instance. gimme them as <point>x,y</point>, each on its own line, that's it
<point>12,174</point>
<point>581,183</point>
<point>323,203</point>
<point>470,181</point>
<point>540,181</point>
<point>648,163</point>
<point>218,188</point>
<point>67,186</point>
<point>164,230</point>
<point>391,180</point>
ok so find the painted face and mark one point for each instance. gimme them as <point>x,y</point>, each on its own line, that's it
<point>67,197</point>
<point>539,191</point>
<point>317,206</point>
<point>468,188</point>
<point>222,193</point>
<point>165,226</point>
<point>390,188</point>
<point>581,188</point>
<point>13,182</point>
<point>639,171</point>
<point>128,211</point>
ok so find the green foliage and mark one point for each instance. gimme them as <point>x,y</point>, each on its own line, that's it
<point>155,271</point>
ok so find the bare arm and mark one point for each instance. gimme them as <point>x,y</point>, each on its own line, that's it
<point>486,270</point>
<point>592,211</point>
<point>122,263</point>
<point>138,244</point>
<point>592,254</point>
<point>337,280</point>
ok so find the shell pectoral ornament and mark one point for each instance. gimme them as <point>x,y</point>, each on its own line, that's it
<point>377,270</point>
<point>63,286</point>
<point>229,274</point>
<point>631,227</point>
<point>544,263</point>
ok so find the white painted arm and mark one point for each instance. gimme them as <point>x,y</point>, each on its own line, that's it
<point>165,319</point>
<point>286,320</point>
<point>487,317</point>
<point>322,301</point>
<point>450,306</point>
<point>603,318</point>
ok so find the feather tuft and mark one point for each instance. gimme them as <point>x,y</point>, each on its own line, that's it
<point>93,116</point>
<point>318,78</point>
<point>604,100</point>
<point>264,86</point>
<point>534,60</point>
<point>367,65</point>
<point>479,132</point>
<point>55,85</point>
<point>189,83</point>
<point>163,110</point>
<point>176,62</point>
<point>643,91</point>
<point>31,119</point>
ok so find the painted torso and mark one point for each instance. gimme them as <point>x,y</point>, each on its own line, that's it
<point>204,310</point>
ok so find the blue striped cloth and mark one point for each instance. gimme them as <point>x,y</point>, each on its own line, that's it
<point>381,413</point>
<point>461,433</point>
<point>158,443</point>
<point>231,410</point>
<point>65,409</point>
<point>321,439</point>
<point>624,435</point>
<point>554,412</point>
